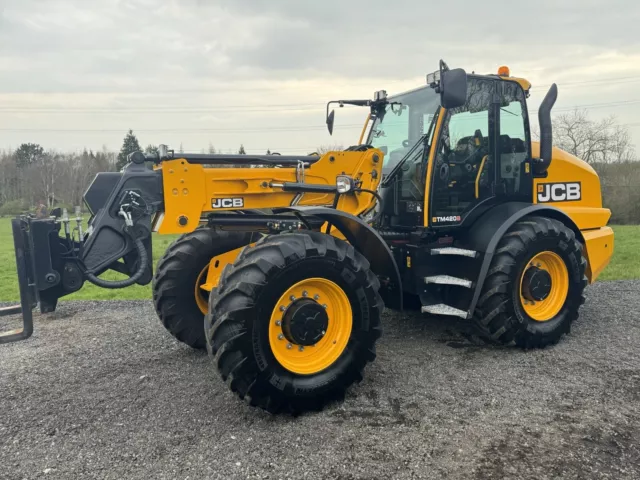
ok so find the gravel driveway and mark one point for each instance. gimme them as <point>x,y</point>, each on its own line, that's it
<point>101,391</point>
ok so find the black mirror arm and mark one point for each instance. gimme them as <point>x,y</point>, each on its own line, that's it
<point>358,103</point>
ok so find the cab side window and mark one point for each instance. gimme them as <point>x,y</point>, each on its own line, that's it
<point>514,144</point>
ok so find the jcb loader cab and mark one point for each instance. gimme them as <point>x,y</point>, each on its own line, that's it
<point>283,273</point>
<point>484,223</point>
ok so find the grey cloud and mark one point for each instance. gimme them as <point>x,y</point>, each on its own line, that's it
<point>239,52</point>
<point>231,39</point>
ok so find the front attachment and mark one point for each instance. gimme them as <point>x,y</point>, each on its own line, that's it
<point>28,292</point>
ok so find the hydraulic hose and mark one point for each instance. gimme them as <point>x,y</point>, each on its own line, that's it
<point>379,198</point>
<point>112,284</point>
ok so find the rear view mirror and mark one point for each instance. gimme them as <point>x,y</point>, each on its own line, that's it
<point>330,119</point>
<point>453,88</point>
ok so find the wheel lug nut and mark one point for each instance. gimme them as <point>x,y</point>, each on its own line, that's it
<point>324,305</point>
<point>301,348</point>
<point>292,298</point>
<point>281,337</point>
<point>289,346</point>
<point>278,323</point>
<point>282,308</point>
<point>304,294</point>
<point>316,297</point>
<point>538,265</point>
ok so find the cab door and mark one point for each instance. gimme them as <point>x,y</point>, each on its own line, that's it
<point>515,178</point>
<point>463,173</point>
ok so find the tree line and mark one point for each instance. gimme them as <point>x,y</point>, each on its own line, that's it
<point>31,176</point>
<point>606,145</point>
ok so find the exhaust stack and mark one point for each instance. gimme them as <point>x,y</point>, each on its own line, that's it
<point>546,131</point>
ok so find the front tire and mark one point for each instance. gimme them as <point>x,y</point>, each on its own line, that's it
<point>535,285</point>
<point>258,349</point>
<point>180,304</point>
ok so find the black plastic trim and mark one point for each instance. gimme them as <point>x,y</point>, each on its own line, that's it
<point>363,237</point>
<point>489,229</point>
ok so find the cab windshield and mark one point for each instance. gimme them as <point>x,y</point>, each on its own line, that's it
<point>404,121</point>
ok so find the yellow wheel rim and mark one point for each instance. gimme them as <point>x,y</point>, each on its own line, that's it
<point>546,309</point>
<point>307,360</point>
<point>202,296</point>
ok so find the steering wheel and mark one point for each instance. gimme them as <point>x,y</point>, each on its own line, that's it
<point>475,151</point>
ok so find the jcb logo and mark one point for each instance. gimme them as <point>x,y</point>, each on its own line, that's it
<point>559,192</point>
<point>227,203</point>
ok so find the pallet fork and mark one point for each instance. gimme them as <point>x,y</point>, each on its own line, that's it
<point>26,281</point>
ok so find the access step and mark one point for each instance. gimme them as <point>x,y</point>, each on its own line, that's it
<point>442,309</point>
<point>449,280</point>
<point>454,251</point>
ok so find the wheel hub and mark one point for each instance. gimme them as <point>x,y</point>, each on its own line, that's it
<point>305,322</point>
<point>536,284</point>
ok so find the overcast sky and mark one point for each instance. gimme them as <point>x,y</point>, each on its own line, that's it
<point>79,73</point>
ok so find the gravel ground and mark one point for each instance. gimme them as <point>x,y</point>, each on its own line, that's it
<point>101,391</point>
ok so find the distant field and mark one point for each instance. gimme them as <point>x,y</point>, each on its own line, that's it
<point>625,265</point>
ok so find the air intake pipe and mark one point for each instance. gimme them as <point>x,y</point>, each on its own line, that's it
<point>546,131</point>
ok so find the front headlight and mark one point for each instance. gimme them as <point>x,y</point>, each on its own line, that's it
<point>344,183</point>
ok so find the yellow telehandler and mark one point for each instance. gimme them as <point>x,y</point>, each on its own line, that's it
<point>283,273</point>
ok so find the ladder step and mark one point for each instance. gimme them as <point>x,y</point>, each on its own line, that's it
<point>442,309</point>
<point>448,280</point>
<point>454,251</point>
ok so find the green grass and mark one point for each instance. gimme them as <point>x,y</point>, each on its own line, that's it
<point>624,265</point>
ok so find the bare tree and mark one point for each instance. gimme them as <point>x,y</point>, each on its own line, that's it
<point>322,149</point>
<point>602,141</point>
<point>44,173</point>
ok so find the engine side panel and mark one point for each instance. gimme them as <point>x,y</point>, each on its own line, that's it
<point>599,245</point>
<point>572,186</point>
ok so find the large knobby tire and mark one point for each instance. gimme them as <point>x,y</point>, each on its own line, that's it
<point>507,315</point>
<point>245,314</point>
<point>177,275</point>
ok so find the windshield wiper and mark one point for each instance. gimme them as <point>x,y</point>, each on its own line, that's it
<point>404,159</point>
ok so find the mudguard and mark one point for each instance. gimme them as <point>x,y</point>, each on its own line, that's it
<point>363,237</point>
<point>485,233</point>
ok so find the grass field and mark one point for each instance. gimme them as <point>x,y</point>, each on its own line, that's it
<point>9,281</point>
<point>625,265</point>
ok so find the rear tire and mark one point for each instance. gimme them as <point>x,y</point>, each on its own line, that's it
<point>502,315</point>
<point>242,310</point>
<point>178,271</point>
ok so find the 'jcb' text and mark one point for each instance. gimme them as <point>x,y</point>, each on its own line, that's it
<point>559,192</point>
<point>227,203</point>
